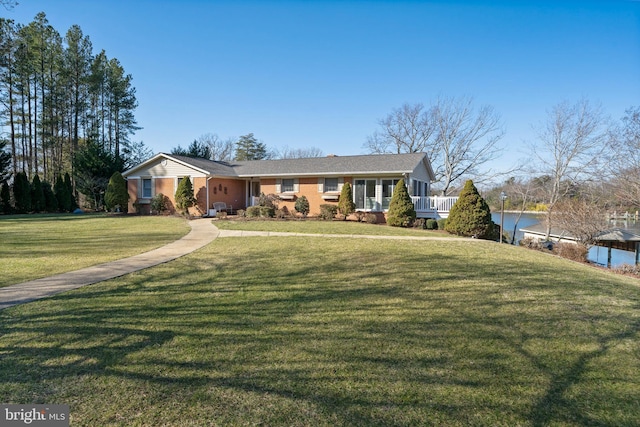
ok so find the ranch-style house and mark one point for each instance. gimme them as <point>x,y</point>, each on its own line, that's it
<point>238,184</point>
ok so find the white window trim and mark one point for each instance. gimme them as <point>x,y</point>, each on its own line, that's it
<point>142,180</point>
<point>296,186</point>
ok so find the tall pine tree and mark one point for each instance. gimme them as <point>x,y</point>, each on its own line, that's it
<point>249,148</point>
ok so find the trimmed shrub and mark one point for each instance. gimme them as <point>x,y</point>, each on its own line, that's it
<point>470,216</point>
<point>370,218</point>
<point>50,201</point>
<point>159,203</point>
<point>69,188</point>
<point>268,201</point>
<point>253,212</point>
<point>328,212</point>
<point>5,198</point>
<point>62,195</point>
<point>420,223</point>
<point>302,206</point>
<point>22,193</point>
<point>184,195</point>
<point>267,211</point>
<point>117,197</point>
<point>401,210</point>
<point>37,195</point>
<point>282,213</point>
<point>346,206</point>
<point>431,224</point>
<point>442,223</point>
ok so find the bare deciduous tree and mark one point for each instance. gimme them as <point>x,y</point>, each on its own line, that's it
<point>466,139</point>
<point>408,129</point>
<point>457,138</point>
<point>583,218</point>
<point>573,147</point>
<point>221,150</point>
<point>522,190</point>
<point>299,153</point>
<point>627,176</point>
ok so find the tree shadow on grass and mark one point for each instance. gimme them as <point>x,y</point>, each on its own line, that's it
<point>438,340</point>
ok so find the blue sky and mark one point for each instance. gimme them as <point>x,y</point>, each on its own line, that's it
<point>322,73</point>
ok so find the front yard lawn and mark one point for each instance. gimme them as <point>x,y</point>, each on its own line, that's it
<point>35,246</point>
<point>299,331</point>
<point>315,226</point>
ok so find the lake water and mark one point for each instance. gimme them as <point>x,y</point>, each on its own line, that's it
<point>597,254</point>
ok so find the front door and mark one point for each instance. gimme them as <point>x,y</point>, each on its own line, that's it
<point>255,193</point>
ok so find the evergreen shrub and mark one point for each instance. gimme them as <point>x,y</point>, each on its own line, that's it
<point>253,212</point>
<point>22,193</point>
<point>37,195</point>
<point>116,196</point>
<point>328,212</point>
<point>302,206</point>
<point>159,203</point>
<point>401,210</point>
<point>70,193</point>
<point>267,211</point>
<point>371,218</point>
<point>5,198</point>
<point>470,216</point>
<point>346,206</point>
<point>431,224</point>
<point>62,195</point>
<point>50,201</point>
<point>184,195</point>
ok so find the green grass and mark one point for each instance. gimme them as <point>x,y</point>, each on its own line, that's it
<point>35,246</point>
<point>300,331</point>
<point>326,227</point>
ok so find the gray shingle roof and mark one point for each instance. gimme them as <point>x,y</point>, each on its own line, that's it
<point>214,168</point>
<point>336,165</point>
<point>331,165</point>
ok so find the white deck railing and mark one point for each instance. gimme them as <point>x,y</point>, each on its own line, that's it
<point>434,203</point>
<point>441,204</point>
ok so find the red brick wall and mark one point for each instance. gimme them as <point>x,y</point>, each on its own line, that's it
<point>230,191</point>
<point>308,187</point>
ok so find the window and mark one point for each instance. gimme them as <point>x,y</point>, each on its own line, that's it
<point>330,184</point>
<point>365,194</point>
<point>287,186</point>
<point>146,188</point>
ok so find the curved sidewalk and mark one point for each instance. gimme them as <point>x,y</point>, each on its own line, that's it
<point>202,233</point>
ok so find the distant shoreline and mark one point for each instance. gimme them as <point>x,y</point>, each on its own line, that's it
<point>523,212</point>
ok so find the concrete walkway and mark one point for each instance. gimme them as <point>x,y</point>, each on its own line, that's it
<point>202,233</point>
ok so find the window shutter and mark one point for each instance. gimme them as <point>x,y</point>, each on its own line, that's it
<point>296,186</point>
<point>340,183</point>
<point>320,185</point>
<point>278,185</point>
